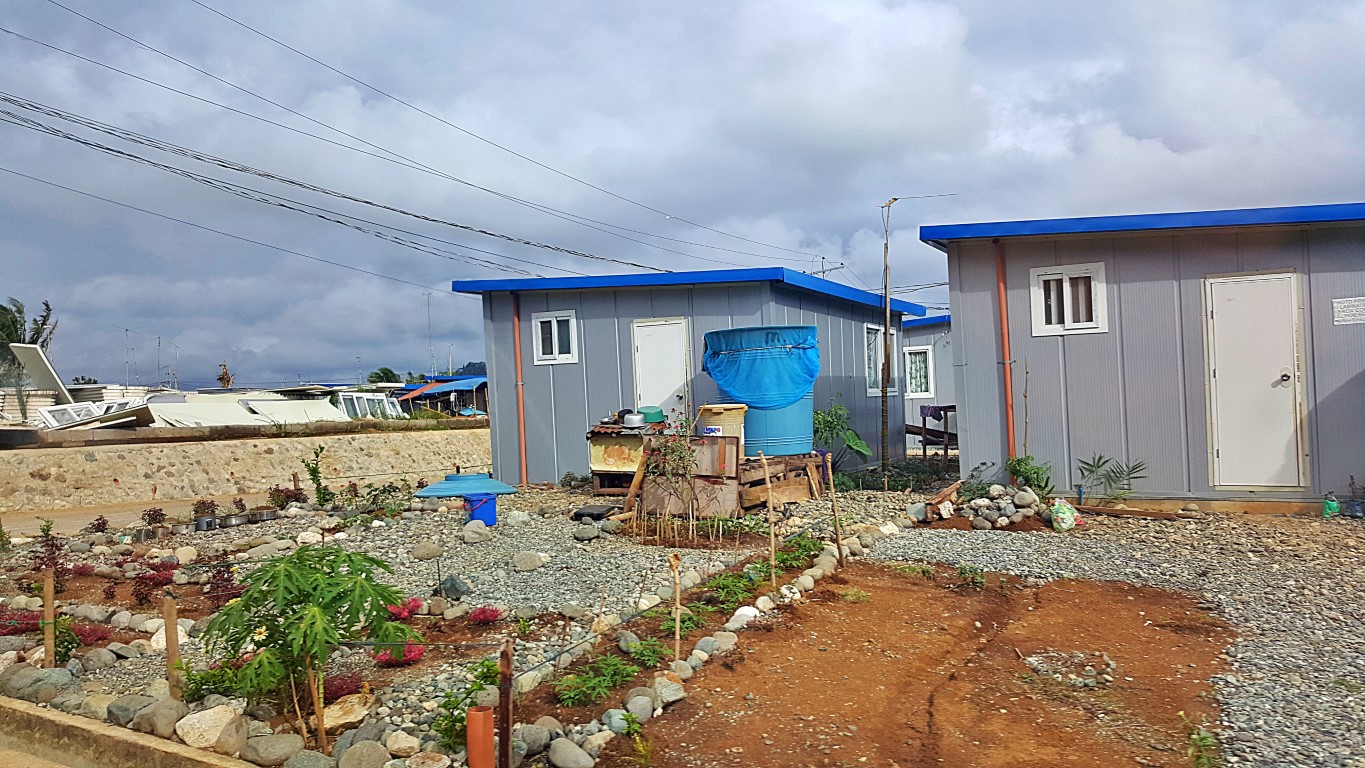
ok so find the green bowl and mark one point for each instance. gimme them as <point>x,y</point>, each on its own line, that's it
<point>653,414</point>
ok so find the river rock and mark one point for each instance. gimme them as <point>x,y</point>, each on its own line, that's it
<point>159,718</point>
<point>453,588</point>
<point>202,729</point>
<point>566,754</point>
<point>364,754</point>
<point>275,750</point>
<point>640,706</point>
<point>98,658</point>
<point>122,710</point>
<point>96,706</point>
<point>535,737</point>
<point>427,760</point>
<point>476,532</point>
<point>310,759</point>
<point>526,561</point>
<point>1025,498</point>
<point>402,744</point>
<point>233,736</point>
<point>426,550</point>
<point>586,533</point>
<point>348,712</point>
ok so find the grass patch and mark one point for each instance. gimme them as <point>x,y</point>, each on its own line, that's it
<point>1204,750</point>
<point>730,589</point>
<point>918,570</point>
<point>853,595</point>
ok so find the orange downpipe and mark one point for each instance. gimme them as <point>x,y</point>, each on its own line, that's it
<point>479,737</point>
<point>1007,360</point>
<point>521,393</point>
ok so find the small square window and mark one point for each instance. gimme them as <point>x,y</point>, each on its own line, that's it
<point>1068,300</point>
<point>919,372</point>
<point>556,335</point>
<point>874,349</point>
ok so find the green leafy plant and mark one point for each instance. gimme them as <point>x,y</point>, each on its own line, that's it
<point>798,550</point>
<point>920,570</point>
<point>644,751</point>
<point>523,626</point>
<point>5,543</point>
<point>973,487</point>
<point>689,622</point>
<point>218,678</point>
<point>761,570</point>
<point>594,682</point>
<point>65,640</point>
<point>831,429</point>
<point>1035,476</point>
<point>853,595</point>
<point>633,727</point>
<point>321,493</point>
<point>1203,748</point>
<point>730,589</point>
<point>449,724</point>
<point>575,480</point>
<point>296,610</point>
<point>648,652</point>
<point>49,556</point>
<point>1108,479</point>
<point>972,574</point>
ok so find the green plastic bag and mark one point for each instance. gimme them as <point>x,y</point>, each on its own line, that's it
<point>1063,515</point>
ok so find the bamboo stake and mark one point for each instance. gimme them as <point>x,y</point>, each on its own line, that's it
<point>505,705</point>
<point>170,616</point>
<point>675,562</point>
<point>772,531</point>
<point>49,619</point>
<point>317,704</point>
<point>834,504</point>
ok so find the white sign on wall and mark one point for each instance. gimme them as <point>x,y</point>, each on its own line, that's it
<point>1348,311</point>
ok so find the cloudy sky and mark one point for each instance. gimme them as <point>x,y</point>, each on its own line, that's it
<point>786,124</point>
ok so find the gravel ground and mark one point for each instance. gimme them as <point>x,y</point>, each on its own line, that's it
<point>1290,588</point>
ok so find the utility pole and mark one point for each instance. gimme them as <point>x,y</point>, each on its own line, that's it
<point>886,343</point>
<point>358,381</point>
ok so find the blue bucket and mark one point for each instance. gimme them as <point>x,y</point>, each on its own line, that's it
<point>483,507</point>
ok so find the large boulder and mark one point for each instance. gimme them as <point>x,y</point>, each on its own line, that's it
<point>96,706</point>
<point>402,744</point>
<point>98,658</point>
<point>566,754</point>
<point>348,712</point>
<point>233,736</point>
<point>271,750</point>
<point>475,532</point>
<point>202,729</point>
<point>535,737</point>
<point>159,718</point>
<point>122,710</point>
<point>365,754</point>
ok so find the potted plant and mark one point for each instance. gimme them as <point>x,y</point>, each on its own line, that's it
<point>155,520</point>
<point>205,515</point>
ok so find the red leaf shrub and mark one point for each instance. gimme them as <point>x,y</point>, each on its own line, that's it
<point>18,622</point>
<point>163,566</point>
<point>279,498</point>
<point>146,584</point>
<point>110,590</point>
<point>92,634</point>
<point>486,614</point>
<point>412,653</point>
<point>83,569</point>
<point>336,686</point>
<point>405,609</point>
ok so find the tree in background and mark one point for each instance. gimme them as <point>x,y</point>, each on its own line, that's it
<point>414,378</point>
<point>17,328</point>
<point>78,380</point>
<point>384,375</point>
<point>473,369</point>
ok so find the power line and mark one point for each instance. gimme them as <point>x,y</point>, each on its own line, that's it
<point>277,200</point>
<point>492,143</point>
<point>217,231</point>
<point>389,155</point>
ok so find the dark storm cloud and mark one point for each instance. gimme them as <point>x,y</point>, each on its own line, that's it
<point>787,123</point>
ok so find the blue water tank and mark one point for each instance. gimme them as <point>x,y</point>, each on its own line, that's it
<point>780,432</point>
<point>771,369</point>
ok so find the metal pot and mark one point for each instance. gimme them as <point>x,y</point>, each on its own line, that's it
<point>268,514</point>
<point>232,521</point>
<point>253,517</point>
<point>205,523</point>
<point>180,528</point>
<point>633,420</point>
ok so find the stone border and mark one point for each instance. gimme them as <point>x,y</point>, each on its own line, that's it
<point>81,742</point>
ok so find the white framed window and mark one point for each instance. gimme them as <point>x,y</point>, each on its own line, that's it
<point>919,372</point>
<point>874,348</point>
<point>555,336</point>
<point>1068,300</point>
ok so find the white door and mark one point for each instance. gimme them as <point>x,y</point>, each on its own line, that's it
<point>662,363</point>
<point>1255,385</point>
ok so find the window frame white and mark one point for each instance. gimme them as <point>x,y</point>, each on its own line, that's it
<point>553,318</point>
<point>892,388</point>
<point>1099,299</point>
<point>928,351</point>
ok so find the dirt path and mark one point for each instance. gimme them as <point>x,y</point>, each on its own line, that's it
<point>929,673</point>
<point>70,521</point>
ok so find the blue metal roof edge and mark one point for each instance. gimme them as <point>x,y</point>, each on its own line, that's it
<point>702,277</point>
<point>938,234</point>
<point>926,322</point>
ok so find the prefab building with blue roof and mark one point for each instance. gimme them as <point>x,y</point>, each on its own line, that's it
<point>591,346</point>
<point>1225,350</point>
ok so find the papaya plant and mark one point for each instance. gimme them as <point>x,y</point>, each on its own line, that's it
<point>295,611</point>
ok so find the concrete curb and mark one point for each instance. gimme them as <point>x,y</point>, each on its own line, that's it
<point>80,742</point>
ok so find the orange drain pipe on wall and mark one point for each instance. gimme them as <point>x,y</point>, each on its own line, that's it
<point>1006,359</point>
<point>521,386</point>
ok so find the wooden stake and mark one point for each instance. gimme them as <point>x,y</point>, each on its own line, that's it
<point>772,531</point>
<point>505,706</point>
<point>675,562</point>
<point>834,504</point>
<point>49,619</point>
<point>297,485</point>
<point>635,483</point>
<point>170,615</point>
<point>313,677</point>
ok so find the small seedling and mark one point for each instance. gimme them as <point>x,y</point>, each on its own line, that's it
<point>523,627</point>
<point>632,725</point>
<point>1203,750</point>
<point>972,574</point>
<point>644,751</point>
<point>853,595</point>
<point>920,570</point>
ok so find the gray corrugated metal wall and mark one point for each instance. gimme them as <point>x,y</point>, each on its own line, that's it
<point>561,400</point>
<point>939,339</point>
<point>1138,391</point>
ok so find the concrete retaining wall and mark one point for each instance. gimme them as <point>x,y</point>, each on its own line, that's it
<point>65,478</point>
<point>80,742</point>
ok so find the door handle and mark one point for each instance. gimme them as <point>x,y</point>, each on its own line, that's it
<point>1285,375</point>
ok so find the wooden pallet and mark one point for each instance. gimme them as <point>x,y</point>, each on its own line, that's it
<point>793,479</point>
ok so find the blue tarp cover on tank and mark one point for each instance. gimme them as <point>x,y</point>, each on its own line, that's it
<point>765,367</point>
<point>464,485</point>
